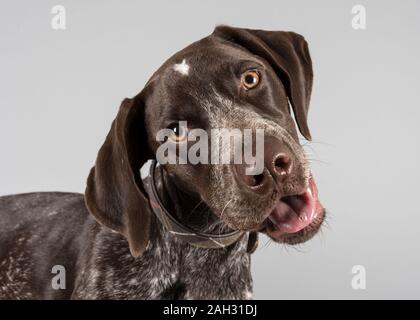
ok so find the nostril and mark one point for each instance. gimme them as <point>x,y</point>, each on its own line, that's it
<point>258,179</point>
<point>283,164</point>
<point>254,180</point>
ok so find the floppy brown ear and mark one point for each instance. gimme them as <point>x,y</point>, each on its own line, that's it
<point>113,195</point>
<point>288,54</point>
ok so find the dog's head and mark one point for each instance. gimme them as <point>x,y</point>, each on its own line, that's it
<point>234,79</point>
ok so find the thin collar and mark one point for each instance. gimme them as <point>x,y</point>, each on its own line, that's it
<point>172,225</point>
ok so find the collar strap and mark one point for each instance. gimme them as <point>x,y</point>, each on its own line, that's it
<point>172,225</point>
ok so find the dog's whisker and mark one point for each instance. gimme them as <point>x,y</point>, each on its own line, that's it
<point>267,242</point>
<point>286,248</point>
<point>326,223</point>
<point>196,207</point>
<point>305,142</point>
<point>321,234</point>
<point>224,208</point>
<point>314,152</point>
<point>221,214</point>
<point>299,248</point>
<point>319,161</point>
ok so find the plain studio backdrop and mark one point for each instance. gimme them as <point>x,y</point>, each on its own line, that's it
<point>61,89</point>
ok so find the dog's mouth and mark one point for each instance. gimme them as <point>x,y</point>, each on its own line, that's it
<point>296,218</point>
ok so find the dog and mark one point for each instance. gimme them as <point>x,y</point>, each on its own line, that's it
<point>145,230</point>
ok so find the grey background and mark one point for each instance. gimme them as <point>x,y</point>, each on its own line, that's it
<point>60,90</point>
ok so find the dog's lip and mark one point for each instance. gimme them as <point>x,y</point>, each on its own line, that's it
<point>294,213</point>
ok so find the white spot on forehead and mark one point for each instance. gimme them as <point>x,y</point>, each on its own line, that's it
<point>183,68</point>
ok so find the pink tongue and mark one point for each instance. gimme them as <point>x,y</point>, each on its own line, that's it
<point>295,213</point>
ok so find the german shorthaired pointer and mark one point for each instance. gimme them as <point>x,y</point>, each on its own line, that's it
<point>144,230</point>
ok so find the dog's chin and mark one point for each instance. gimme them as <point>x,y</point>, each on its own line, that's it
<point>291,219</point>
<point>295,219</point>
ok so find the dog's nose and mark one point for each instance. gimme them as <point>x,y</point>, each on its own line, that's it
<point>278,166</point>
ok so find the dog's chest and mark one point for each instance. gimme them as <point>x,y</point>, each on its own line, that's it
<point>169,269</point>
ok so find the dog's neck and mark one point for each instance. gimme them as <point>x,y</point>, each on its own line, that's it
<point>187,206</point>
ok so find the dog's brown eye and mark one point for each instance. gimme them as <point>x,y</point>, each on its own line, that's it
<point>179,133</point>
<point>250,79</point>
